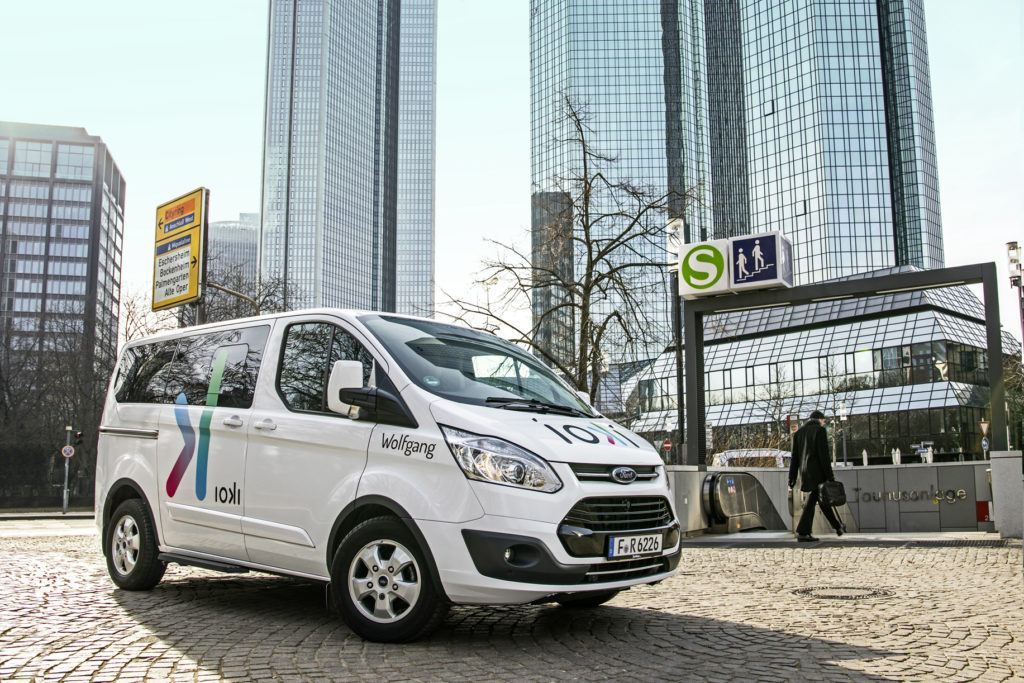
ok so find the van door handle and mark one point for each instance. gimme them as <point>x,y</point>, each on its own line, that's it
<point>266,424</point>
<point>233,421</point>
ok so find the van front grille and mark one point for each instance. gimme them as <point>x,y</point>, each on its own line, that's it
<point>598,472</point>
<point>620,514</point>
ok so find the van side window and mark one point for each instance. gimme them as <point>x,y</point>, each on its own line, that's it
<point>214,369</point>
<point>309,353</point>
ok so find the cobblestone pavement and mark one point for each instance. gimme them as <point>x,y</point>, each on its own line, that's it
<point>733,613</point>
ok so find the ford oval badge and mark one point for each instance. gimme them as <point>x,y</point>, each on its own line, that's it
<point>624,475</point>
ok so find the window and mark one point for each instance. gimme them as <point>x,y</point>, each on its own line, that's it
<point>310,351</point>
<point>216,369</point>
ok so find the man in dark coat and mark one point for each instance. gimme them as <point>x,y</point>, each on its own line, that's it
<point>811,460</point>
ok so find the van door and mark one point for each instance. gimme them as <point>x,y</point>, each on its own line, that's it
<point>202,444</point>
<point>304,461</point>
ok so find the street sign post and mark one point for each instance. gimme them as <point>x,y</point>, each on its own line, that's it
<point>67,451</point>
<point>984,427</point>
<point>984,445</point>
<point>667,445</point>
<point>179,259</point>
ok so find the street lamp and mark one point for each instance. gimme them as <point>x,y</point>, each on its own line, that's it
<point>842,418</point>
<point>1013,264</point>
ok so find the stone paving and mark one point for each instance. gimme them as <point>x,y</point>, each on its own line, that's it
<point>790,612</point>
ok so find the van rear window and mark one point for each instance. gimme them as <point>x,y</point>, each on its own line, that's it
<point>215,369</point>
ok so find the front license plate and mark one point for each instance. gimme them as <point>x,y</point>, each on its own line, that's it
<point>622,546</point>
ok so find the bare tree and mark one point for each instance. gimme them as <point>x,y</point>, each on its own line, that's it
<point>266,293</point>
<point>589,273</point>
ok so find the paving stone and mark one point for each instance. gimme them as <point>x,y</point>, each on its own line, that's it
<point>951,613</point>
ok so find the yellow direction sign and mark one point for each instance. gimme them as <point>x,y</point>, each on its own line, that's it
<point>180,255</point>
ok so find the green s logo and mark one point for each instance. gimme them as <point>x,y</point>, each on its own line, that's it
<point>702,266</point>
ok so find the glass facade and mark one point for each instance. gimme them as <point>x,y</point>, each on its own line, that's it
<point>61,230</point>
<point>637,70</point>
<point>909,367</point>
<point>810,117</point>
<point>841,150</point>
<point>232,246</point>
<point>337,134</point>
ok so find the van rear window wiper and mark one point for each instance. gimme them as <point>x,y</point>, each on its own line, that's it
<point>535,405</point>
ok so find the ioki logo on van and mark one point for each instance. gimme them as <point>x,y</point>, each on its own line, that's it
<point>409,464</point>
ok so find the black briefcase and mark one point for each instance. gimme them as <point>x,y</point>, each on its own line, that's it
<point>832,493</point>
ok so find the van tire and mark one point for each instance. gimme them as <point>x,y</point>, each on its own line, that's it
<point>402,614</point>
<point>586,600</point>
<point>130,547</point>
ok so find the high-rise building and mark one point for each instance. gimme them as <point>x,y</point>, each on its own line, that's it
<point>810,117</point>
<point>841,150</point>
<point>637,70</point>
<point>233,245</point>
<point>348,180</point>
<point>61,224</point>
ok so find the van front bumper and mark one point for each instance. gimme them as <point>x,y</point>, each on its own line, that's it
<point>500,560</point>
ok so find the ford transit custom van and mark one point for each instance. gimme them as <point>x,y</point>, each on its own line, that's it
<point>408,463</point>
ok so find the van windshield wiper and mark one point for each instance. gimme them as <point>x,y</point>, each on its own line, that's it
<point>535,406</point>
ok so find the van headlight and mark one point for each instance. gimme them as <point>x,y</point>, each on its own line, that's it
<point>487,458</point>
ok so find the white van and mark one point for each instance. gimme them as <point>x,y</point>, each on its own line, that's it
<point>409,463</point>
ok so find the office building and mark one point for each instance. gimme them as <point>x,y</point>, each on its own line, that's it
<point>232,247</point>
<point>348,179</point>
<point>61,222</point>
<point>909,368</point>
<point>810,117</point>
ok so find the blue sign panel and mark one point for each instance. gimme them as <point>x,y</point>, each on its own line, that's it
<point>764,260</point>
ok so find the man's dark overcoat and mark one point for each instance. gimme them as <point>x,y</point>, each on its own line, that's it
<point>810,457</point>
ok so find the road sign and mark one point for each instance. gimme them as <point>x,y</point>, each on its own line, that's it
<point>984,444</point>
<point>984,427</point>
<point>759,261</point>
<point>667,445</point>
<point>703,268</point>
<point>180,254</point>
<point>67,451</point>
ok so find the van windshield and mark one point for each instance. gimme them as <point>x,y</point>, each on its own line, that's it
<point>473,367</point>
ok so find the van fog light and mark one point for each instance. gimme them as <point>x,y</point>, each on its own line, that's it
<point>488,458</point>
<point>509,554</point>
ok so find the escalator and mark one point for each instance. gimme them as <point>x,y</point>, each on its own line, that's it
<point>736,501</point>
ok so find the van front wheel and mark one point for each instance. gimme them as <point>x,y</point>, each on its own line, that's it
<point>131,548</point>
<point>381,585</point>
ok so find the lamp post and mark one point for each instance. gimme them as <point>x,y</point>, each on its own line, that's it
<point>1013,264</point>
<point>842,418</point>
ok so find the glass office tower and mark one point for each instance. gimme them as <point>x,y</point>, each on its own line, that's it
<point>231,246</point>
<point>811,117</point>
<point>637,69</point>
<point>841,149</point>
<point>61,224</point>
<point>348,153</point>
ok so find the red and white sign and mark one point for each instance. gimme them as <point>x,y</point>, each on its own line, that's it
<point>667,445</point>
<point>984,427</point>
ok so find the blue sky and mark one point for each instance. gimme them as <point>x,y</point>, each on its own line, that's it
<point>176,91</point>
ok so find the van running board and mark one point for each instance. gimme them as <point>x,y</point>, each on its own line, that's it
<point>205,564</point>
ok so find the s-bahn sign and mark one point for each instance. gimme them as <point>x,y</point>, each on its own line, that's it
<point>736,264</point>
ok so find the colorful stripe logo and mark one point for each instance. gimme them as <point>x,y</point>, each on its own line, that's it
<point>189,435</point>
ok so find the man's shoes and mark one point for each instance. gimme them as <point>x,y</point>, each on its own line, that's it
<point>805,538</point>
<point>841,529</point>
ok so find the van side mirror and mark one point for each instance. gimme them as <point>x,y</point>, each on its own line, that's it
<point>379,405</point>
<point>346,374</point>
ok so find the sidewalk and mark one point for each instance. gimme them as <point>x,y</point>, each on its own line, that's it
<point>46,513</point>
<point>766,539</point>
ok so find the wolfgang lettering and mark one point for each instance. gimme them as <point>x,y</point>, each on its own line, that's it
<point>407,446</point>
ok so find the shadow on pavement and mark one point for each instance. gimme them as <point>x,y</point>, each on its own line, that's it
<point>257,626</point>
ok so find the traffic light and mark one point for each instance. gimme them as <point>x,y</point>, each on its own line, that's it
<point>77,441</point>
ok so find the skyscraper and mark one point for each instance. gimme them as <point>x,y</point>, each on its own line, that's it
<point>348,153</point>
<point>638,69</point>
<point>232,246</point>
<point>61,224</point>
<point>811,117</point>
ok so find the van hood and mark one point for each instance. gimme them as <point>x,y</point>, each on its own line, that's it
<point>556,438</point>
